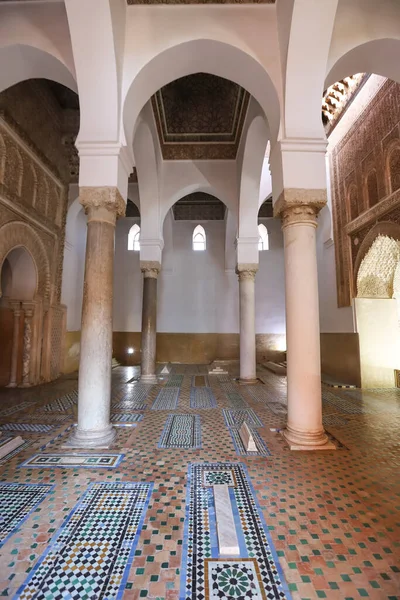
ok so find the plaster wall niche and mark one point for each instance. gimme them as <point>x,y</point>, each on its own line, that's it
<point>376,314</point>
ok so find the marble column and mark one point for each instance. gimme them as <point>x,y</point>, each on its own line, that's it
<point>304,430</point>
<point>150,270</point>
<point>28,309</point>
<point>16,308</point>
<point>247,274</point>
<point>103,205</point>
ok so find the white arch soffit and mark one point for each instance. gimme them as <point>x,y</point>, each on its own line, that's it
<point>96,62</point>
<point>147,174</point>
<point>20,62</point>
<point>250,180</point>
<point>307,59</point>
<point>201,56</point>
<point>380,57</point>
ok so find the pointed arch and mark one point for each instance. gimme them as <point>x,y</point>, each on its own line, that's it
<point>199,239</point>
<point>263,240</point>
<point>134,238</point>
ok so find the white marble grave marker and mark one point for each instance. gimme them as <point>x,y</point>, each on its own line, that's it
<point>227,538</point>
<point>11,445</point>
<point>247,438</point>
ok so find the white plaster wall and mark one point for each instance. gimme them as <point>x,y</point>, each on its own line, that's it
<point>196,294</point>
<point>270,282</point>
<point>128,285</point>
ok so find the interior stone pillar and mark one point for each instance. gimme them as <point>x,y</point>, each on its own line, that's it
<point>103,205</point>
<point>15,306</point>
<point>299,210</point>
<point>28,309</point>
<point>247,274</point>
<point>150,270</point>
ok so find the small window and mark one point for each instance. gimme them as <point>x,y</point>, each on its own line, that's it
<point>199,238</point>
<point>263,239</point>
<point>134,238</point>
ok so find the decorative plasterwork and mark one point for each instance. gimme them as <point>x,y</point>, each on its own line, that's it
<point>338,97</point>
<point>200,117</point>
<point>199,207</point>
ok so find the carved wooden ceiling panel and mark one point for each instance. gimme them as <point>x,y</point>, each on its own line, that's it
<point>200,117</point>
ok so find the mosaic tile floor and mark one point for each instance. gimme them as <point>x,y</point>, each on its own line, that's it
<point>333,518</point>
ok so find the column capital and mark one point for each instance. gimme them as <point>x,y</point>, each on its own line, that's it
<point>150,268</point>
<point>102,203</point>
<point>246,271</point>
<point>15,306</point>
<point>300,206</point>
<point>28,308</point>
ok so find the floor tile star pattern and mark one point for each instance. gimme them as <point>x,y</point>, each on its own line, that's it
<point>333,517</point>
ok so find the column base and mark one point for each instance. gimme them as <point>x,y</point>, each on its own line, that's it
<point>11,385</point>
<point>82,438</point>
<point>249,381</point>
<point>26,385</point>
<point>304,440</point>
<point>148,379</point>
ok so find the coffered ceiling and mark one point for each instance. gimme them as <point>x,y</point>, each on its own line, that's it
<point>200,117</point>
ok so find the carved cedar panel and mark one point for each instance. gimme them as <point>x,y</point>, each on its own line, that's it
<point>365,162</point>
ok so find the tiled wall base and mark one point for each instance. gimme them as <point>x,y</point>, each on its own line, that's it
<point>181,431</point>
<point>93,551</point>
<point>17,501</point>
<point>205,574</point>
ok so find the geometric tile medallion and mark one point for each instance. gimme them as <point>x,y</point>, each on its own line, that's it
<point>233,579</point>
<point>167,399</point>
<point>92,553</point>
<point>29,427</point>
<point>236,418</point>
<point>256,575</point>
<point>62,404</point>
<point>4,440</point>
<point>70,461</point>
<point>262,449</point>
<point>202,397</point>
<point>181,431</point>
<point>17,501</point>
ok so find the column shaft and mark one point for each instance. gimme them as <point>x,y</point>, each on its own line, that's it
<point>94,429</point>
<point>26,356</point>
<point>16,308</point>
<point>304,429</point>
<point>246,275</point>
<point>149,324</point>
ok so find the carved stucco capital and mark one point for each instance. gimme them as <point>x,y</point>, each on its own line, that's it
<point>246,271</point>
<point>300,206</point>
<point>150,268</point>
<point>102,203</point>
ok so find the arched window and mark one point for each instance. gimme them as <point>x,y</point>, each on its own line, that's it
<point>263,239</point>
<point>199,238</point>
<point>134,238</point>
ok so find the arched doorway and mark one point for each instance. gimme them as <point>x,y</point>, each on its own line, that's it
<point>19,282</point>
